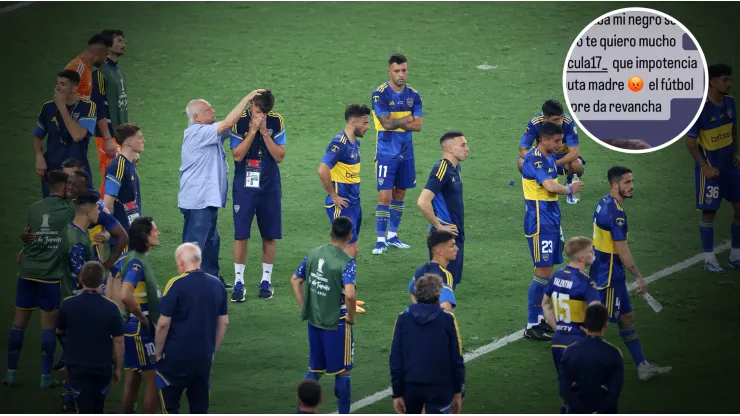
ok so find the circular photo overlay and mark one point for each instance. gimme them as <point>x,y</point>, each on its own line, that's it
<point>635,80</point>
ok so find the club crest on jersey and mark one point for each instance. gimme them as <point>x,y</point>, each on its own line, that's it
<point>545,257</point>
<point>620,221</point>
<point>375,99</point>
<point>236,208</point>
<point>269,132</point>
<point>136,267</point>
<point>380,181</point>
<point>538,164</point>
<point>410,102</point>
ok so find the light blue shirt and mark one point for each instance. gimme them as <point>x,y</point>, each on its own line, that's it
<point>204,173</point>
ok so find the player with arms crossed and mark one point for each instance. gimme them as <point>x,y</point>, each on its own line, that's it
<point>612,258</point>
<point>444,249</point>
<point>567,157</point>
<point>542,220</point>
<point>441,200</point>
<point>258,145</point>
<point>324,286</point>
<point>397,111</point>
<point>339,172</point>
<point>712,142</point>
<point>567,295</point>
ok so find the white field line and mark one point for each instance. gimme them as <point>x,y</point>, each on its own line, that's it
<point>8,9</point>
<point>502,342</point>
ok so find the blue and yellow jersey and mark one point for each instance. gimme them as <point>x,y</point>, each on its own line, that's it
<point>122,182</point>
<point>135,276</point>
<point>116,268</point>
<point>447,295</point>
<point>532,133</point>
<point>258,157</point>
<point>59,143</point>
<point>446,184</point>
<point>571,292</point>
<point>395,143</point>
<point>713,131</point>
<point>610,225</point>
<point>343,158</point>
<point>107,222</point>
<point>542,213</point>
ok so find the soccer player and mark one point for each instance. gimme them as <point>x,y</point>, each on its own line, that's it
<point>192,324</point>
<point>441,200</point>
<point>140,295</point>
<point>70,165</point>
<point>309,397</point>
<point>567,157</point>
<point>68,122</point>
<point>712,142</point>
<point>542,220</point>
<point>123,195</point>
<point>397,111</point>
<point>612,258</point>
<point>258,145</point>
<point>444,249</point>
<point>109,86</point>
<point>567,295</point>
<point>80,252</point>
<point>324,286</point>
<point>43,265</point>
<point>93,56</point>
<point>339,172</point>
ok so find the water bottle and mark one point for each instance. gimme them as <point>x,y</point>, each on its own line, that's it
<point>657,307</point>
<point>572,199</point>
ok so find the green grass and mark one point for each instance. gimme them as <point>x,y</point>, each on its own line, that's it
<point>319,57</point>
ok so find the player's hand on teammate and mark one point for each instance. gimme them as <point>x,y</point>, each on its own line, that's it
<point>101,237</point>
<point>110,148</point>
<point>450,228</point>
<point>399,405</point>
<point>641,285</point>
<point>710,172</point>
<point>340,202</point>
<point>256,123</point>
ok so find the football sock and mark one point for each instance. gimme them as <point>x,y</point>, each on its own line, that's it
<point>266,272</point>
<point>382,215</point>
<point>735,235</point>
<point>343,391</point>
<point>15,343</point>
<point>534,297</point>
<point>632,341</point>
<point>239,273</point>
<point>396,214</point>
<point>48,347</point>
<point>312,376</point>
<point>706,232</point>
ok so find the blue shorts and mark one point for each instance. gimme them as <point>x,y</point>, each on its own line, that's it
<point>395,172</point>
<point>546,249</point>
<point>267,207</point>
<point>455,267</point>
<point>617,300</point>
<point>196,387</point>
<point>711,192</point>
<point>139,353</point>
<point>559,343</point>
<point>331,352</point>
<point>32,294</point>
<point>353,212</point>
<point>433,398</point>
<point>561,168</point>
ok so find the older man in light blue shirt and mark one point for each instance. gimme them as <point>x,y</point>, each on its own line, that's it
<point>204,177</point>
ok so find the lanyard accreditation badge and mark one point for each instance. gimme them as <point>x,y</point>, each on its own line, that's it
<point>253,171</point>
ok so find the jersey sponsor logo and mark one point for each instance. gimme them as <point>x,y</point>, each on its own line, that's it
<point>721,136</point>
<point>352,175</point>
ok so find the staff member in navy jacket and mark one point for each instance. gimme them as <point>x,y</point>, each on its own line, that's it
<point>424,334</point>
<point>592,370</point>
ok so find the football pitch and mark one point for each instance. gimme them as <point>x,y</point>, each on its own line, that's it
<point>319,57</point>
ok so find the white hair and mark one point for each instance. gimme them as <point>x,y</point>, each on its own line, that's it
<point>190,109</point>
<point>189,253</point>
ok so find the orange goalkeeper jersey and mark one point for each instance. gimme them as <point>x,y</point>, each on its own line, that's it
<point>84,90</point>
